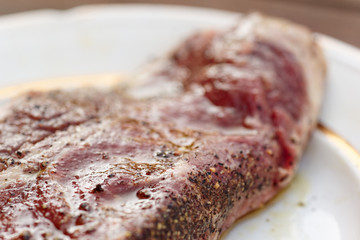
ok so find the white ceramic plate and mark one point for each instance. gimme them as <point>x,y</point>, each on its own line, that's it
<point>322,203</point>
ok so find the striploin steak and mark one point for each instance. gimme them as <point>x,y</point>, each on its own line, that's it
<point>206,135</point>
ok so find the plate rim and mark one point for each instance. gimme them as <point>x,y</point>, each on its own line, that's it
<point>84,11</point>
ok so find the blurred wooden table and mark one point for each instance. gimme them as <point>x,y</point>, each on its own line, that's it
<point>336,18</point>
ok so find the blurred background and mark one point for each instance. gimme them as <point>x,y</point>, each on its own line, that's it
<point>336,18</point>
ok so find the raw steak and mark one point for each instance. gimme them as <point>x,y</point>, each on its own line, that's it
<point>212,132</point>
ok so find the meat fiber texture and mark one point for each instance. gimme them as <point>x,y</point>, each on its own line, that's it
<point>213,132</point>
